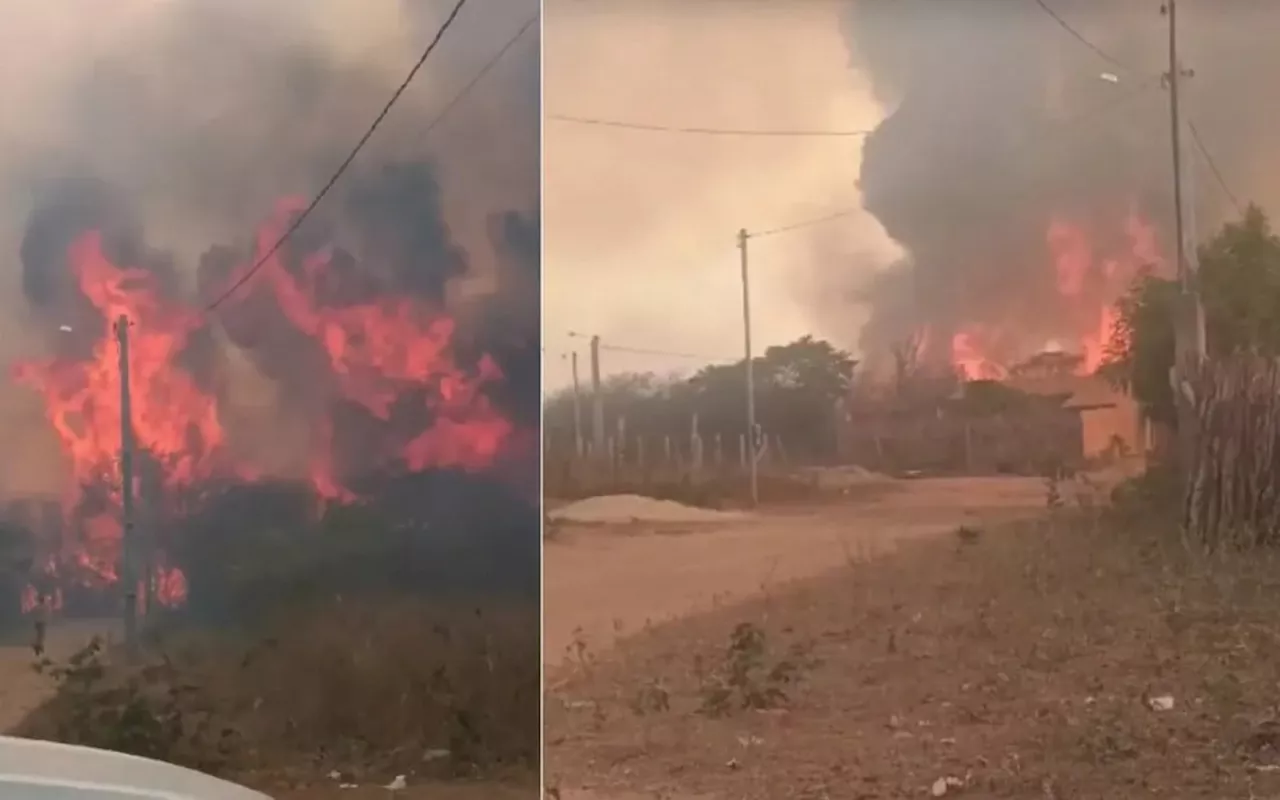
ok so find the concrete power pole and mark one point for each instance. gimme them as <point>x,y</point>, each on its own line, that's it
<point>577,406</point>
<point>752,454</point>
<point>597,402</point>
<point>128,555</point>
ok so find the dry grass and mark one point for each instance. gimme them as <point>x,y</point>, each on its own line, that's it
<point>366,689</point>
<point>1029,662</point>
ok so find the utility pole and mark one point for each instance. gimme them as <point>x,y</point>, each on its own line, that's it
<point>597,401</point>
<point>577,406</point>
<point>128,568</point>
<point>1189,345</point>
<point>1192,345</point>
<point>752,464</point>
<point>1189,337</point>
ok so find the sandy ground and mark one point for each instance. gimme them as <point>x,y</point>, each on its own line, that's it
<point>602,583</point>
<point>1081,655</point>
<point>605,581</point>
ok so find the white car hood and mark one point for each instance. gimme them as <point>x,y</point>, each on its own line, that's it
<point>38,769</point>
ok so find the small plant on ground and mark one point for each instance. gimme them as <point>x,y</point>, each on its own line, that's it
<point>651,698</point>
<point>745,678</point>
<point>967,534</point>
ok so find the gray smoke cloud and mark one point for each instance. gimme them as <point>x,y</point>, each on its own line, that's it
<point>640,225</point>
<point>1000,121</point>
<point>198,115</point>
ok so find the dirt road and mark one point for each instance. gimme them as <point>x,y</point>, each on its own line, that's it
<point>601,582</point>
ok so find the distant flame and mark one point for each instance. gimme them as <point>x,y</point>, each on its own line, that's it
<point>968,355</point>
<point>1088,283</point>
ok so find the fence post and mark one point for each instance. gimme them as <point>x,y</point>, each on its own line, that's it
<point>968,447</point>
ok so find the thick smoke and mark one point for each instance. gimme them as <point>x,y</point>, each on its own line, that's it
<point>1001,121</point>
<point>175,128</point>
<point>640,225</point>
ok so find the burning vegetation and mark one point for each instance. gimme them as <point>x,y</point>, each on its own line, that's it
<point>333,470</point>
<point>349,322</point>
<point>1078,312</point>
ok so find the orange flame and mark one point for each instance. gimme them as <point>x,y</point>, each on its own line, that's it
<point>1087,281</point>
<point>380,353</point>
<point>379,350</point>
<point>174,421</point>
<point>968,355</point>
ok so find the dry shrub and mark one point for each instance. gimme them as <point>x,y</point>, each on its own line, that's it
<point>397,686</point>
<point>380,678</point>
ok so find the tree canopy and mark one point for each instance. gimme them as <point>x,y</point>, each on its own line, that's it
<point>797,388</point>
<point>1239,283</point>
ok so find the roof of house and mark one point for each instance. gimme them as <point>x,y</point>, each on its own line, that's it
<point>1082,391</point>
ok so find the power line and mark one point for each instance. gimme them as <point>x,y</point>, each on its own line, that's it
<point>1066,26</point>
<point>704,131</point>
<point>644,351</point>
<point>479,76</point>
<point>342,168</point>
<point>1195,134</point>
<point>809,223</point>
<point>1213,168</point>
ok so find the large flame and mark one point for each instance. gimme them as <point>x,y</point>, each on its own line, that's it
<point>1089,279</point>
<point>383,350</point>
<point>174,422</point>
<point>391,356</point>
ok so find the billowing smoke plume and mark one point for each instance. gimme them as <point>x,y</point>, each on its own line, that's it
<point>1012,149</point>
<point>182,133</point>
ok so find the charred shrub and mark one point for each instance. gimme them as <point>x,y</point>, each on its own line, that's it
<point>372,688</point>
<point>149,711</point>
<point>250,550</point>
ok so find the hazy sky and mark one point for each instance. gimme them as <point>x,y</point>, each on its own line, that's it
<point>639,227</point>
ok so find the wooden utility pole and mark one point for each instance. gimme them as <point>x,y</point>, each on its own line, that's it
<point>752,460</point>
<point>577,406</point>
<point>597,401</point>
<point>128,548</point>
<point>1189,344</point>
<point>1192,343</point>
